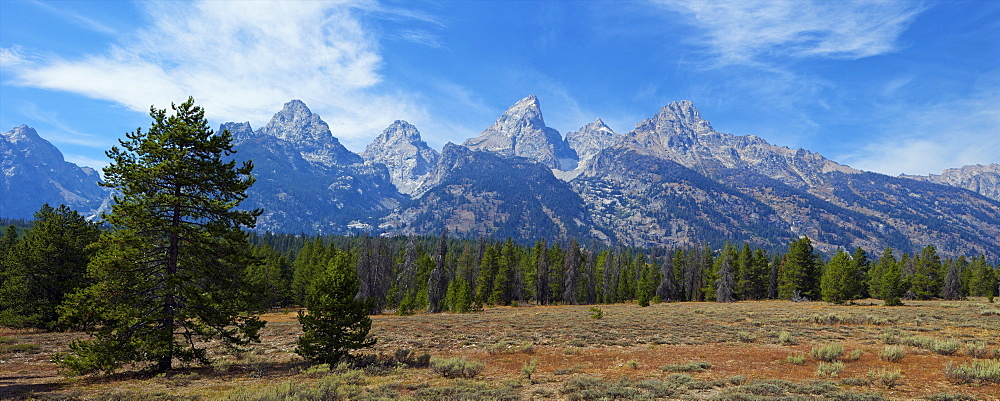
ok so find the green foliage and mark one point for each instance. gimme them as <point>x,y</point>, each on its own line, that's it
<point>831,369</point>
<point>892,353</point>
<point>596,313</point>
<point>459,368</point>
<point>841,279</point>
<point>43,266</point>
<point>827,352</point>
<point>976,371</point>
<point>686,367</point>
<point>337,321</point>
<point>799,359</point>
<point>799,271</point>
<point>171,270</point>
<point>889,377</point>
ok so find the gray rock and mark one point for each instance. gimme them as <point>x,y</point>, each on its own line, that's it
<point>591,139</point>
<point>35,173</point>
<point>521,131</point>
<point>407,157</point>
<point>977,178</point>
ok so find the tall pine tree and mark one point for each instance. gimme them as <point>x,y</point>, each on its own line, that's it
<point>169,273</point>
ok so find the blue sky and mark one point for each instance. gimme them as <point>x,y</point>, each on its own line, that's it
<point>887,86</point>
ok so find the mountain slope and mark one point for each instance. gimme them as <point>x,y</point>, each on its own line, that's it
<point>306,180</point>
<point>407,157</point>
<point>34,172</point>
<point>521,131</point>
<point>984,180</point>
<point>858,208</point>
<point>475,193</point>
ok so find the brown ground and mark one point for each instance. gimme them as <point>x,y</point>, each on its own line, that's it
<point>629,341</point>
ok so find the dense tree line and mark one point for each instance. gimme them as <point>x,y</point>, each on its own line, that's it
<point>48,260</point>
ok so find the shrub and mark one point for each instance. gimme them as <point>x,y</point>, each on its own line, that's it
<point>886,377</point>
<point>892,353</point>
<point>829,369</point>
<point>981,370</point>
<point>827,352</point>
<point>632,364</point>
<point>855,355</point>
<point>746,337</point>
<point>976,350</point>
<point>943,347</point>
<point>686,367</point>
<point>950,397</point>
<point>890,337</point>
<point>596,313</point>
<point>456,368</point>
<point>529,368</point>
<point>785,338</point>
<point>799,359</point>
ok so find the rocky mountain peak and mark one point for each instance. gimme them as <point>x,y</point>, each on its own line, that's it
<point>306,131</point>
<point>296,123</point>
<point>240,131</point>
<point>680,117</point>
<point>521,131</point>
<point>21,133</point>
<point>33,172</point>
<point>404,153</point>
<point>591,139</point>
<point>984,179</point>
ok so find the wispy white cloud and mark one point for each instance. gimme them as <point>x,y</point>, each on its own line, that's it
<point>241,60</point>
<point>62,132</point>
<point>749,31</point>
<point>75,18</point>
<point>926,140</point>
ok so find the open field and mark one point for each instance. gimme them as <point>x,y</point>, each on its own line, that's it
<point>665,351</point>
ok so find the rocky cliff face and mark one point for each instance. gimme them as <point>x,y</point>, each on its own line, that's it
<point>297,125</point>
<point>477,193</point>
<point>521,131</point>
<point>306,180</point>
<point>591,139</point>
<point>984,180</point>
<point>34,173</point>
<point>407,157</point>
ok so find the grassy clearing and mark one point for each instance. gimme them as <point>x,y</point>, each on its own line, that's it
<point>561,352</point>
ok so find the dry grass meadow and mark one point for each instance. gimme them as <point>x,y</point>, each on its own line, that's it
<point>742,351</point>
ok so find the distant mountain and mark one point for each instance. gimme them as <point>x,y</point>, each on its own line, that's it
<point>673,180</point>
<point>35,173</point>
<point>984,180</point>
<point>306,180</point>
<point>476,193</point>
<point>591,139</point>
<point>835,205</point>
<point>521,131</point>
<point>407,157</point>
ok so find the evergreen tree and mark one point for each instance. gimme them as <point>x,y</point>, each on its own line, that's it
<point>488,268</point>
<point>270,278</point>
<point>437,284</point>
<point>667,290</point>
<point>337,320</point>
<point>571,268</point>
<point>799,272</point>
<point>983,279</point>
<point>952,289</point>
<point>860,259</point>
<point>542,273</point>
<point>169,273</point>
<point>44,266</point>
<point>724,286</point>
<point>885,279</point>
<point>926,281</point>
<point>406,280</point>
<point>839,281</point>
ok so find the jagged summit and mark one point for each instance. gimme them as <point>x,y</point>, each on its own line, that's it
<point>521,131</point>
<point>591,139</point>
<point>679,117</point>
<point>404,153</point>
<point>33,172</point>
<point>296,124</point>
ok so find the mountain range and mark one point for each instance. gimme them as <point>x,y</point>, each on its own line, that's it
<point>672,180</point>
